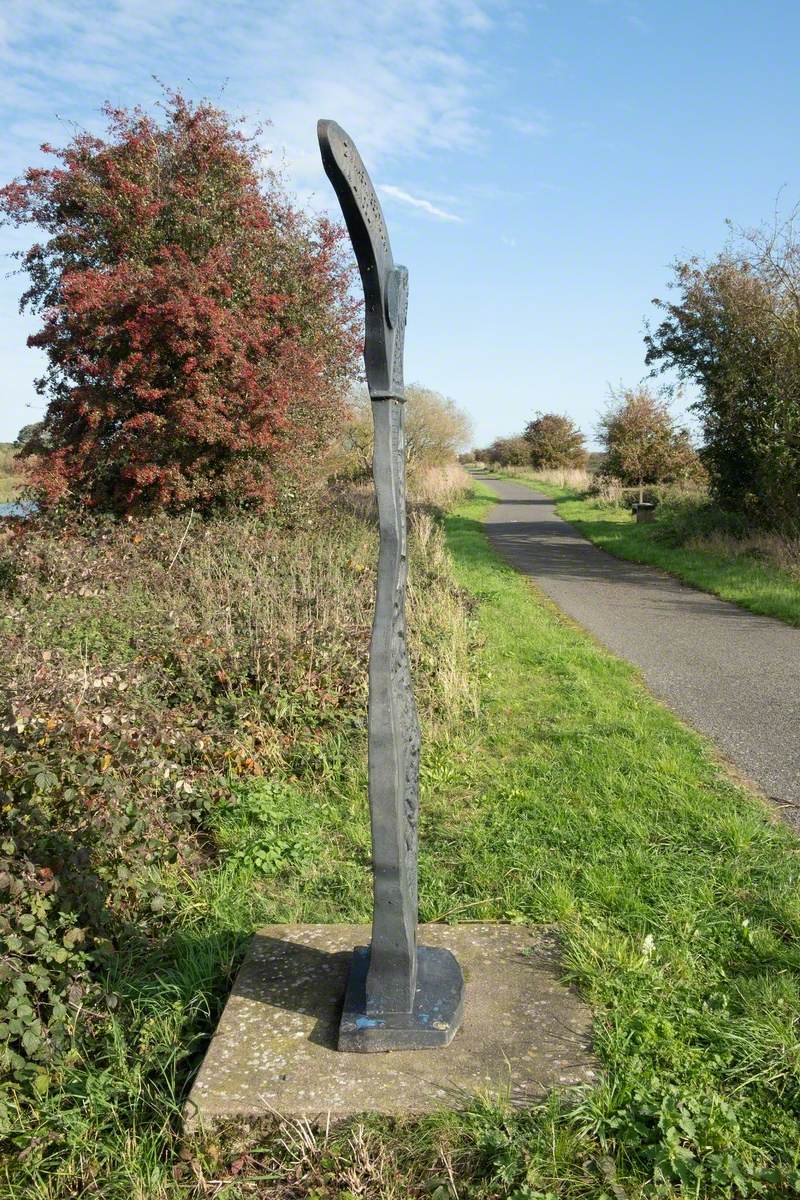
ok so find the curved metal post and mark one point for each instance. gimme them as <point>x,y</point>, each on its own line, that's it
<point>394,742</point>
<point>400,995</point>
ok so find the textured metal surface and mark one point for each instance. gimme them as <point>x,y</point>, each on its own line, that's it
<point>385,285</point>
<point>394,740</point>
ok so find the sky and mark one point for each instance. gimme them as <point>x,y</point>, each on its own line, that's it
<point>540,163</point>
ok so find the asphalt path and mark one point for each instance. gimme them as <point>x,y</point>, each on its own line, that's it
<point>729,673</point>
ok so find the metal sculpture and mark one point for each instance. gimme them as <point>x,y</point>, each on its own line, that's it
<point>399,995</point>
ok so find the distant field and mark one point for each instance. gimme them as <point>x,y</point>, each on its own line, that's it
<point>10,481</point>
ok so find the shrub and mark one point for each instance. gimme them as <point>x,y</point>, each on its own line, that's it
<point>197,326</point>
<point>735,331</point>
<point>10,478</point>
<point>507,452</point>
<point>27,433</point>
<point>151,666</point>
<point>435,430</point>
<point>555,441</point>
<point>642,443</point>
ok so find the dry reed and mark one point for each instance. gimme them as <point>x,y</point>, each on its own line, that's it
<point>440,486</point>
<point>565,477</point>
<point>10,475</point>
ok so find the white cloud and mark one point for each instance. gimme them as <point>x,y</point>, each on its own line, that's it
<point>533,126</point>
<point>397,193</point>
<point>407,78</point>
<point>392,72</point>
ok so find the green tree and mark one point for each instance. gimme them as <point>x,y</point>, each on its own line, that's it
<point>436,428</point>
<point>28,433</point>
<point>554,441</point>
<point>436,431</point>
<point>507,452</point>
<point>734,330</point>
<point>642,442</point>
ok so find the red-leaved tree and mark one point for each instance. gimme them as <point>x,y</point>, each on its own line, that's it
<point>198,327</point>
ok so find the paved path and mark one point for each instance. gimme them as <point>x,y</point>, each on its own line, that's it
<point>729,673</point>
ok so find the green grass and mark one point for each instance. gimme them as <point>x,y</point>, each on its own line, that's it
<point>575,799</point>
<point>752,583</point>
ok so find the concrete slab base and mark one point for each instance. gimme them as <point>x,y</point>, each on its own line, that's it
<point>274,1050</point>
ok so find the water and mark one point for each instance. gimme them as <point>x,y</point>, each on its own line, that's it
<point>14,509</point>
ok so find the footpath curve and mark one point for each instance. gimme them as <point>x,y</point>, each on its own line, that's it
<point>729,673</point>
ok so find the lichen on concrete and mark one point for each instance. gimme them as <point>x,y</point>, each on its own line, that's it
<point>524,1031</point>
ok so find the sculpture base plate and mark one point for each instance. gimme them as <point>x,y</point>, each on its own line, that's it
<point>274,1050</point>
<point>437,1013</point>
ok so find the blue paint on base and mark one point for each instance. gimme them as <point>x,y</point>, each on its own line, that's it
<point>435,1017</point>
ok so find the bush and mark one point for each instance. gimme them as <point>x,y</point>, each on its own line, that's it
<point>555,441</point>
<point>684,517</point>
<point>642,444</point>
<point>507,452</point>
<point>150,667</point>
<point>10,478</point>
<point>435,430</point>
<point>609,492</point>
<point>198,328</point>
<point>735,331</point>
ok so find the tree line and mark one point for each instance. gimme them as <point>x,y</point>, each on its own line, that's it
<point>733,331</point>
<point>642,443</point>
<point>202,342</point>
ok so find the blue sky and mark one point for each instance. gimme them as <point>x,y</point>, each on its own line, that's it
<point>540,164</point>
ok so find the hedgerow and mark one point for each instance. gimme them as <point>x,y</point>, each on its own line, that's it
<point>148,666</point>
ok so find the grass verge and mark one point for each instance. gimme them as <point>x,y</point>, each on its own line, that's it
<point>731,571</point>
<point>574,798</point>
